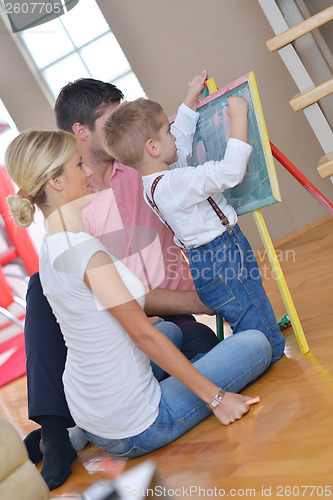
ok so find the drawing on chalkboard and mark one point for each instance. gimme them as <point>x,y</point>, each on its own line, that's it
<point>259,187</point>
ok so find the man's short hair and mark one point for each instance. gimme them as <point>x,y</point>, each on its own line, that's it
<point>84,101</point>
<point>129,127</point>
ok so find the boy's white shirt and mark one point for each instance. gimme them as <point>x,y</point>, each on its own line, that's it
<point>183,128</point>
<point>181,195</point>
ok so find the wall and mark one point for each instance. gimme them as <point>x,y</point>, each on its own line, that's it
<point>316,6</point>
<point>167,42</point>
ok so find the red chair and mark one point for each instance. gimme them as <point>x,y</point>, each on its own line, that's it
<point>20,249</point>
<point>6,299</point>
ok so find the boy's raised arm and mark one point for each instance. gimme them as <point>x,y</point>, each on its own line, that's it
<point>238,110</point>
<point>194,93</point>
<point>184,125</point>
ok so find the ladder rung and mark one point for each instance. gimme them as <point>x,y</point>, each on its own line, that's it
<point>325,166</point>
<point>300,29</point>
<point>305,99</point>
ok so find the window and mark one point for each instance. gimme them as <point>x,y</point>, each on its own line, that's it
<point>79,44</point>
<point>8,131</point>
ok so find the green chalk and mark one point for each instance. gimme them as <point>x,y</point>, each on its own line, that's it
<point>204,93</point>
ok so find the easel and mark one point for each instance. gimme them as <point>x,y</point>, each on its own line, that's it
<point>281,282</point>
<point>288,302</point>
<point>274,262</point>
<point>265,237</point>
<point>301,179</point>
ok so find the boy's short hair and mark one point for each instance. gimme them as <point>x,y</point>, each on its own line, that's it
<point>84,101</point>
<point>129,127</point>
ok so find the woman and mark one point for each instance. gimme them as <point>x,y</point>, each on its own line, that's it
<point>111,391</point>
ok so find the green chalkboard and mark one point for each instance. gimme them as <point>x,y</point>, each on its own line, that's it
<point>259,187</point>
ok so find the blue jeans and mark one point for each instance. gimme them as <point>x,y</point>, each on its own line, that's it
<point>174,333</point>
<point>232,364</point>
<point>227,279</point>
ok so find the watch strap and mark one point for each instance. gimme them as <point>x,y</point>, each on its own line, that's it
<point>216,400</point>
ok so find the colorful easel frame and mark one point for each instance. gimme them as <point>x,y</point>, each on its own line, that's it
<point>259,187</point>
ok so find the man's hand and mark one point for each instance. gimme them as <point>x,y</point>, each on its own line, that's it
<point>164,302</point>
<point>199,307</point>
<point>155,319</point>
<point>196,88</point>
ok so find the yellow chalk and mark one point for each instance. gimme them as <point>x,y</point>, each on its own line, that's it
<point>211,85</point>
<point>253,401</point>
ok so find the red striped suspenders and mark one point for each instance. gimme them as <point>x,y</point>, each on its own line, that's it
<point>223,218</point>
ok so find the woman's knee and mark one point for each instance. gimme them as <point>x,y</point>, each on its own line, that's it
<point>258,344</point>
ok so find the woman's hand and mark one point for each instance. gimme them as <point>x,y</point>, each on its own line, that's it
<point>124,308</point>
<point>231,408</point>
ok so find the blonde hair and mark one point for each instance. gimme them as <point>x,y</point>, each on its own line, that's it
<point>129,127</point>
<point>32,159</point>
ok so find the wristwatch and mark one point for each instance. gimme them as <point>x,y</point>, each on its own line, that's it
<point>216,400</point>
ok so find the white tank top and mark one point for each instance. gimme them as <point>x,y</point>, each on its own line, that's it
<point>109,385</point>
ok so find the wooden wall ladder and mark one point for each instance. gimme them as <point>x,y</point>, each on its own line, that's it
<point>310,94</point>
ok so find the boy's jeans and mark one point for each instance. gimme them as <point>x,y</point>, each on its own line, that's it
<point>227,279</point>
<point>232,364</point>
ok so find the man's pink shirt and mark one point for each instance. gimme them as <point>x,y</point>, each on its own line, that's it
<point>129,229</point>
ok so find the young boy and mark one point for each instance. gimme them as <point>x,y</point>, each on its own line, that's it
<point>190,201</point>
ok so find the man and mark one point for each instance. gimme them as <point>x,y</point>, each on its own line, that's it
<point>129,229</point>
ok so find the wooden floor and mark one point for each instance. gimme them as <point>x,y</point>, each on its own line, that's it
<point>284,445</point>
